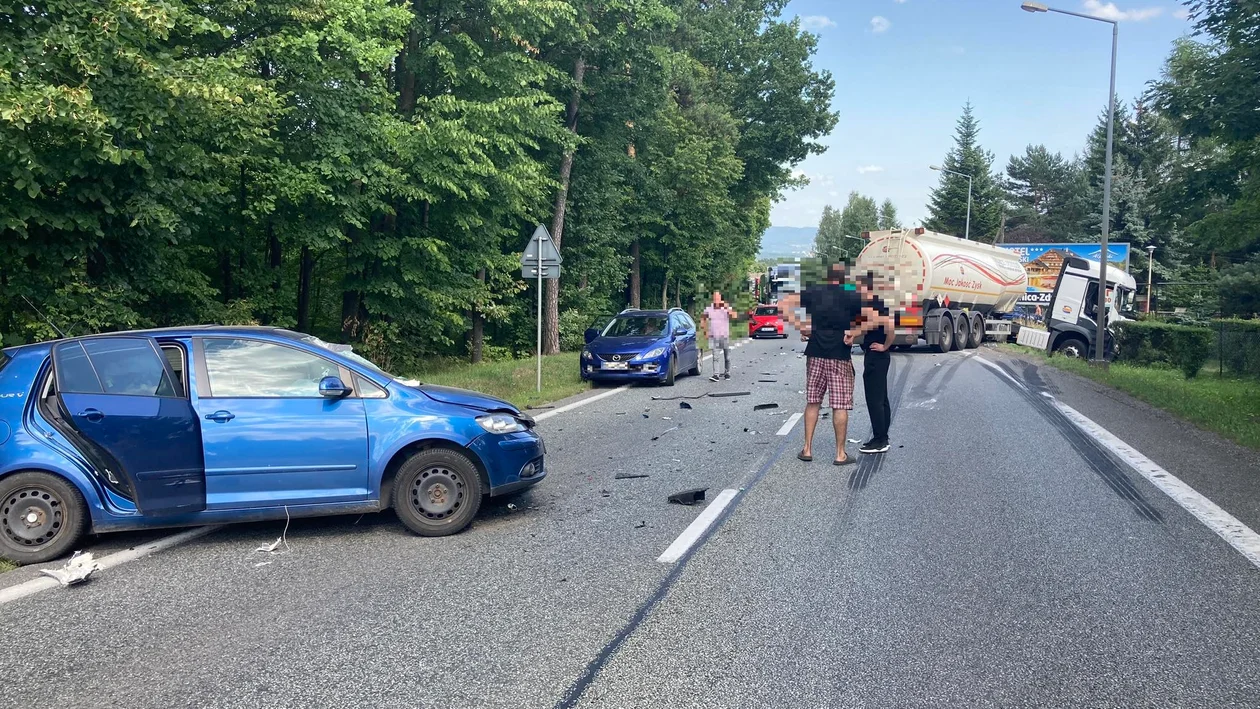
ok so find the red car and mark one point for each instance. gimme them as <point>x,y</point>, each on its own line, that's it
<point>765,322</point>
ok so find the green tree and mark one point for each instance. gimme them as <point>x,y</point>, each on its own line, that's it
<point>829,241</point>
<point>888,215</point>
<point>947,208</point>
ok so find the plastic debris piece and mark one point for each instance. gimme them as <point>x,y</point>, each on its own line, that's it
<point>80,566</point>
<point>662,433</point>
<point>641,524</point>
<point>540,408</point>
<point>645,414</point>
<point>605,493</point>
<point>261,563</point>
<point>767,381</point>
<point>684,405</point>
<point>688,497</point>
<point>721,394</point>
<point>630,476</point>
<point>763,407</point>
<point>667,418</point>
<point>511,506</point>
<point>853,440</point>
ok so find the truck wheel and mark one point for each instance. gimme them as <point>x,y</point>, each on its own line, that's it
<point>977,332</point>
<point>945,342</point>
<point>1073,347</point>
<point>437,492</point>
<point>963,334</point>
<point>41,517</point>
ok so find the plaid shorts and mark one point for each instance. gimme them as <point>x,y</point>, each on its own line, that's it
<point>829,376</point>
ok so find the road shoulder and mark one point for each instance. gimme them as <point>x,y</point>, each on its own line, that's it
<point>1221,470</point>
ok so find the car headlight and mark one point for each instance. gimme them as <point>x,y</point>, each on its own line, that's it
<point>586,354</point>
<point>500,423</point>
<point>653,353</point>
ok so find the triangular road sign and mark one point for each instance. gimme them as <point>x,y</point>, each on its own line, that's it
<point>550,254</point>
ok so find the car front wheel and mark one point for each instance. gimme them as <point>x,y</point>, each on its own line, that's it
<point>41,517</point>
<point>437,492</point>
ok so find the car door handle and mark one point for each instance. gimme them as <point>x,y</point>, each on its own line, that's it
<point>92,414</point>
<point>221,416</point>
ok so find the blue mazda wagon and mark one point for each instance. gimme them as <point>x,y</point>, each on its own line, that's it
<point>202,425</point>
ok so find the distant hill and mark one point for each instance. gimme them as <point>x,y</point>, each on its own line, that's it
<point>780,241</point>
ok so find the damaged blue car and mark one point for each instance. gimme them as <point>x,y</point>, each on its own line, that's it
<point>202,425</point>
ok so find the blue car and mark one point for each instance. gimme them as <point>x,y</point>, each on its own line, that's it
<point>642,345</point>
<point>202,425</point>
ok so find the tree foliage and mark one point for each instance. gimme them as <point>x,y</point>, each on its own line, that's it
<point>948,204</point>
<point>368,170</point>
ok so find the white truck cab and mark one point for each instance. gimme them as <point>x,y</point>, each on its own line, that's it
<point>1074,302</point>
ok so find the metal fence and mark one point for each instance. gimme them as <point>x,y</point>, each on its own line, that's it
<point>1237,349</point>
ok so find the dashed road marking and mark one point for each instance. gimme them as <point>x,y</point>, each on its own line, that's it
<point>787,425</point>
<point>696,529</point>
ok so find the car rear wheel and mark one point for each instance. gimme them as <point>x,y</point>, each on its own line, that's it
<point>437,492</point>
<point>41,517</point>
<point>695,371</point>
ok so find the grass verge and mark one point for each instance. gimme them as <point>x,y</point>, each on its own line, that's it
<point>513,380</point>
<point>6,566</point>
<point>1228,406</point>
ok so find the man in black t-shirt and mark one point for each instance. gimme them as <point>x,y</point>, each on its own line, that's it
<point>830,314</point>
<point>875,363</point>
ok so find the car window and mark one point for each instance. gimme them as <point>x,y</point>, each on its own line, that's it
<point>252,368</point>
<point>637,326</point>
<point>768,310</point>
<point>74,372</point>
<point>117,365</point>
<point>175,358</point>
<point>690,324</point>
<point>368,390</point>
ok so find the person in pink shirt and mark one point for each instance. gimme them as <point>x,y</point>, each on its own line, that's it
<point>717,321</point>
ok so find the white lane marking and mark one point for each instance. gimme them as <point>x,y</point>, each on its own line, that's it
<point>693,531</point>
<point>43,583</point>
<point>787,425</point>
<point>1239,535</point>
<point>582,402</point>
<point>999,370</point>
<point>602,395</point>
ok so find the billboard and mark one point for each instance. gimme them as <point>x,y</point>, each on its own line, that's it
<point>1043,262</point>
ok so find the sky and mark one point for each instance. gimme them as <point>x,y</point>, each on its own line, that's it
<point>904,68</point>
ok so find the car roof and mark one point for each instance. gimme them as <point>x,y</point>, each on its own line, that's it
<point>177,331</point>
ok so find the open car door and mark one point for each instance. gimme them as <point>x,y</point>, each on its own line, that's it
<point>118,397</point>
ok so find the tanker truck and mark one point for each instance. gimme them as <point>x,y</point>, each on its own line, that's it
<point>949,291</point>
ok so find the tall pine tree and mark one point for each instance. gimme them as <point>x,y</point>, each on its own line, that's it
<point>947,210</point>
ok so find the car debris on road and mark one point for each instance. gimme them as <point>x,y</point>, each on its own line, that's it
<point>77,570</point>
<point>688,497</point>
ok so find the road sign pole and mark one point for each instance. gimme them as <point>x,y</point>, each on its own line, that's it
<point>540,312</point>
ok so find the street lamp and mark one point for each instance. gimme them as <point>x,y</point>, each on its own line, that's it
<point>1150,261</point>
<point>967,233</point>
<point>1105,254</point>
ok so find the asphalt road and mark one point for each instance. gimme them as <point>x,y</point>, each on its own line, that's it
<point>995,556</point>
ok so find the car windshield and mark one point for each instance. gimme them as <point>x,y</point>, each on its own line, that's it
<point>636,326</point>
<point>348,352</point>
<point>767,310</point>
<point>1125,301</point>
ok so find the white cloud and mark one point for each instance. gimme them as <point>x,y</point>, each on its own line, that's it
<point>870,168</point>
<point>1181,13</point>
<point>817,22</point>
<point>880,24</point>
<point>1109,11</point>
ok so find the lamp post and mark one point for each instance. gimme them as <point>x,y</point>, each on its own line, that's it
<point>967,233</point>
<point>1105,254</point>
<point>1150,262</point>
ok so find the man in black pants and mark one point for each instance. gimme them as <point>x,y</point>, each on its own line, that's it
<point>875,364</point>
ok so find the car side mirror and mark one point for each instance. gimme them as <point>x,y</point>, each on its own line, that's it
<point>333,388</point>
<point>680,331</point>
<point>591,334</point>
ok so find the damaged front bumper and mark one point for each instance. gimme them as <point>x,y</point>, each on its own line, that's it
<point>513,461</point>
